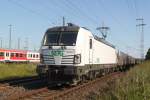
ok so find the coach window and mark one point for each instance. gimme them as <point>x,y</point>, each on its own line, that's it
<point>33,55</point>
<point>17,55</point>
<point>37,56</point>
<point>21,55</point>
<point>1,54</point>
<point>90,43</point>
<point>30,55</point>
<point>25,55</point>
<point>12,55</point>
<point>7,54</point>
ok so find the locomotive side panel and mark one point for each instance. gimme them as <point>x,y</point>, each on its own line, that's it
<point>104,54</point>
<point>83,46</point>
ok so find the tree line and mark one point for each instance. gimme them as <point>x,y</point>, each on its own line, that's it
<point>147,57</point>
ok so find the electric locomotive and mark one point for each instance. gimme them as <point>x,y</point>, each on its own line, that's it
<point>72,54</point>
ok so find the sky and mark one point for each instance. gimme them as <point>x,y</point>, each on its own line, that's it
<point>31,18</point>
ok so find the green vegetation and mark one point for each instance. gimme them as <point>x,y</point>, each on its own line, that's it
<point>135,85</point>
<point>147,57</point>
<point>17,70</point>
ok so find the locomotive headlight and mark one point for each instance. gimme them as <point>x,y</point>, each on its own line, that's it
<point>77,59</point>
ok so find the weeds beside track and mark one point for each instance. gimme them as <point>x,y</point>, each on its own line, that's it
<point>49,94</point>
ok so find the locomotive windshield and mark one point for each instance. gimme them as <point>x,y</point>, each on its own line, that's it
<point>60,38</point>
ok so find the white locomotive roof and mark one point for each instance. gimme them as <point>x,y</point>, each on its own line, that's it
<point>103,41</point>
<point>70,27</point>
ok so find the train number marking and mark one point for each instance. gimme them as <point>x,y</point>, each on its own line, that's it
<point>57,53</point>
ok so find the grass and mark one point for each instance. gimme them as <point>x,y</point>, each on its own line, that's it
<point>135,85</point>
<point>16,70</point>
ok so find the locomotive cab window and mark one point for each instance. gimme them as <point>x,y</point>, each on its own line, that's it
<point>60,38</point>
<point>68,38</point>
<point>90,43</point>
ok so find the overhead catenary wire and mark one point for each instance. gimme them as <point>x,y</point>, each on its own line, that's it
<point>65,8</point>
<point>90,9</point>
<point>107,11</point>
<point>10,35</point>
<point>74,11</point>
<point>133,10</point>
<point>136,8</point>
<point>47,18</point>
<point>127,2</point>
<point>130,9</point>
<point>1,42</point>
<point>72,8</point>
<point>83,12</point>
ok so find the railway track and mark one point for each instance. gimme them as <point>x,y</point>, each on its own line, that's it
<point>48,94</point>
<point>22,81</point>
<point>3,86</point>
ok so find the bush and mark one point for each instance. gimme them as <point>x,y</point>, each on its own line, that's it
<point>148,55</point>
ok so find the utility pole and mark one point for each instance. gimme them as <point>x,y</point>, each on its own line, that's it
<point>63,21</point>
<point>141,28</point>
<point>26,43</point>
<point>103,30</point>
<point>1,42</point>
<point>18,43</point>
<point>10,26</point>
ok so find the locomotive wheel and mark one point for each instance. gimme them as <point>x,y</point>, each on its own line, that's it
<point>90,75</point>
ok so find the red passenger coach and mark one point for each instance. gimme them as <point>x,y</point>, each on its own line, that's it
<point>33,56</point>
<point>17,56</point>
<point>2,57</point>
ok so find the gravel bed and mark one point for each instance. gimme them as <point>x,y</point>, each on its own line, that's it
<point>83,94</point>
<point>8,91</point>
<point>88,93</point>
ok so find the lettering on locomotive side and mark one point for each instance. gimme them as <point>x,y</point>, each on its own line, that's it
<point>56,53</point>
